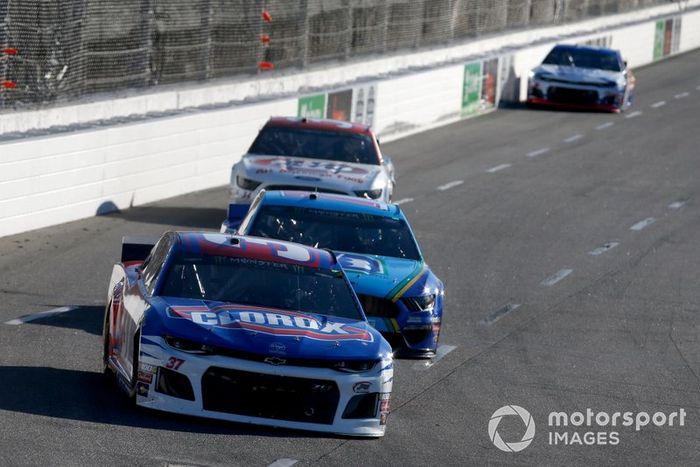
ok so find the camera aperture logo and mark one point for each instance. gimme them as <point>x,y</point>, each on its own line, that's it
<point>587,428</point>
<point>524,416</point>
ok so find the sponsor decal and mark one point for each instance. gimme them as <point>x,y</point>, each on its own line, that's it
<point>384,407</point>
<point>339,105</point>
<point>278,348</point>
<point>145,367</point>
<point>308,166</point>
<point>471,89</point>
<point>272,322</point>
<point>145,377</point>
<point>275,361</point>
<point>362,387</point>
<point>312,106</point>
<point>360,263</point>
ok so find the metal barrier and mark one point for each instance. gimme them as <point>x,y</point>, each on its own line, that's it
<point>56,51</point>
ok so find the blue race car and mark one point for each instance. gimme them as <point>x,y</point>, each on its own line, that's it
<point>245,329</point>
<point>373,241</point>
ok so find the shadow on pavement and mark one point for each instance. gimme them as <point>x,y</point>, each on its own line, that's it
<point>93,397</point>
<point>195,218</point>
<point>86,318</point>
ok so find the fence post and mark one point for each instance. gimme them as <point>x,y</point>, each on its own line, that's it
<point>208,64</point>
<point>304,5</point>
<point>385,26</point>
<point>6,58</point>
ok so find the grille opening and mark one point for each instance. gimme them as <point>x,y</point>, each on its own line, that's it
<point>174,384</point>
<point>572,96</point>
<point>362,406</point>
<point>379,307</point>
<point>270,396</point>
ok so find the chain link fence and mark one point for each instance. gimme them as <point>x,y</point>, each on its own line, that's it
<point>61,50</point>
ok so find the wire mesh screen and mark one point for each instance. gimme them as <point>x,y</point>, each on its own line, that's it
<point>61,50</point>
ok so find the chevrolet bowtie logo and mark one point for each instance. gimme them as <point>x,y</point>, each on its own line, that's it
<point>275,361</point>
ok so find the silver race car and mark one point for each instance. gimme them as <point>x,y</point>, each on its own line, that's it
<point>328,156</point>
<point>582,77</point>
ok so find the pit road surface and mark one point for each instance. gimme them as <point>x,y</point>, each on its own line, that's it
<point>569,244</point>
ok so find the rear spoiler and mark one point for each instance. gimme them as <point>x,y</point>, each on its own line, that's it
<point>137,248</point>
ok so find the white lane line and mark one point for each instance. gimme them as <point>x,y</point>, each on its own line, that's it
<point>283,463</point>
<point>497,168</point>
<point>603,248</point>
<point>656,105</point>
<point>634,114</point>
<point>571,139</point>
<point>681,95</point>
<point>677,204</point>
<point>642,224</point>
<point>502,312</point>
<point>442,351</point>
<point>537,152</point>
<point>447,186</point>
<point>698,88</point>
<point>39,315</point>
<point>604,125</point>
<point>404,201</point>
<point>556,277</point>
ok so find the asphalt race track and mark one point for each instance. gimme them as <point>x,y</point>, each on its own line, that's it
<point>569,244</point>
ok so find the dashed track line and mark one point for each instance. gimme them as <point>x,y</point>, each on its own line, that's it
<point>404,201</point>
<point>681,95</point>
<point>40,315</point>
<point>634,114</point>
<point>442,351</point>
<point>283,463</point>
<point>656,105</point>
<point>677,204</point>
<point>643,224</point>
<point>603,248</point>
<point>502,312</point>
<point>447,186</point>
<point>537,152</point>
<point>498,168</point>
<point>573,138</point>
<point>605,125</point>
<point>556,277</point>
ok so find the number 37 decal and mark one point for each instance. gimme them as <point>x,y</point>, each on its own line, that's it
<point>174,363</point>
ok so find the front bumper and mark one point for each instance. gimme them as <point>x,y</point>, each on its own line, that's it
<point>575,96</point>
<point>410,333</point>
<point>237,390</point>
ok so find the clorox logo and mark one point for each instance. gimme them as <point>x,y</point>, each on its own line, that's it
<point>266,321</point>
<point>527,419</point>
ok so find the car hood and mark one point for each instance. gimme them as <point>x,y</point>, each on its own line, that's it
<point>265,331</point>
<point>387,277</point>
<point>579,75</point>
<point>343,176</point>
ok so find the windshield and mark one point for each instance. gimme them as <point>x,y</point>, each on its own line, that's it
<point>254,282</point>
<point>342,231</point>
<point>583,58</point>
<point>313,144</point>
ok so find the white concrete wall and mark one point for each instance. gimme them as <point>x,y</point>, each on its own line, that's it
<point>55,179</point>
<point>51,180</point>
